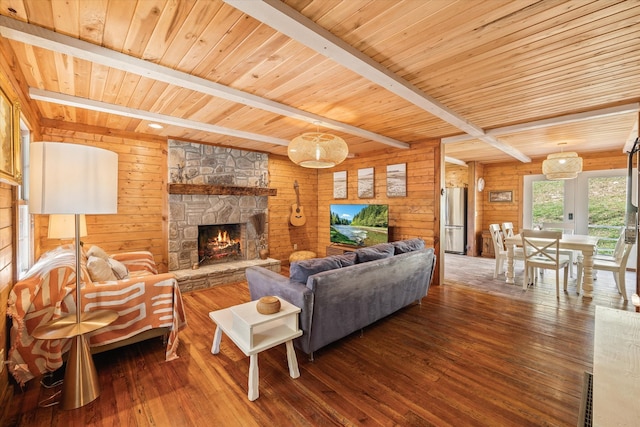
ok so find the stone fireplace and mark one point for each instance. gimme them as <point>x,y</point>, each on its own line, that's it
<point>221,243</point>
<point>192,163</point>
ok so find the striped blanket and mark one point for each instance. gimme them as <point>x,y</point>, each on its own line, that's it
<point>144,301</point>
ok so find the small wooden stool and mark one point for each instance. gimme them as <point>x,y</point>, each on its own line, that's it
<point>301,255</point>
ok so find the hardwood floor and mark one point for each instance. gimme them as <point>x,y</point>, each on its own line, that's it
<point>476,352</point>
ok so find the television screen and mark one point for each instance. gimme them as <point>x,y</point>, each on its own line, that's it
<point>359,225</point>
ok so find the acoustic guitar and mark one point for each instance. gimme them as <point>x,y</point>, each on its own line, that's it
<point>297,213</point>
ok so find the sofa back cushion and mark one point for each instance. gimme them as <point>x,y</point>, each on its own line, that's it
<point>409,245</point>
<point>372,253</point>
<point>299,271</point>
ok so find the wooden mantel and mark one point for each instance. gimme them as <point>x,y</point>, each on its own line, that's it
<point>220,190</point>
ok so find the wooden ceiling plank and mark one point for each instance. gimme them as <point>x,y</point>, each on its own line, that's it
<point>40,12</point>
<point>164,33</point>
<point>547,59</point>
<point>117,23</point>
<point>298,27</point>
<point>65,17</point>
<point>91,20</point>
<point>524,56</point>
<point>193,32</point>
<point>15,30</point>
<point>145,19</point>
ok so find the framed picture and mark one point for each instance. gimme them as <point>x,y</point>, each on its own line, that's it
<point>397,180</point>
<point>10,169</point>
<point>500,196</point>
<point>365,183</point>
<point>340,185</point>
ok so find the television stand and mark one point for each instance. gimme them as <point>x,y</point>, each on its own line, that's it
<point>336,249</point>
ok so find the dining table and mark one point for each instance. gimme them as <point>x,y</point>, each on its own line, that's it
<point>586,245</point>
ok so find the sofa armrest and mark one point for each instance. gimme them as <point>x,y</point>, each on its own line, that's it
<point>137,261</point>
<point>264,282</point>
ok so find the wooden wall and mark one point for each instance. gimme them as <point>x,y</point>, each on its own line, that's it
<point>282,235</point>
<point>416,215</point>
<point>7,279</point>
<point>141,221</point>
<point>509,176</point>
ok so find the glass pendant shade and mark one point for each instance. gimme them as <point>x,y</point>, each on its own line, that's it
<point>565,165</point>
<point>317,150</point>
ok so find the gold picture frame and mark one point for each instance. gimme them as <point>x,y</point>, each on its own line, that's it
<point>10,161</point>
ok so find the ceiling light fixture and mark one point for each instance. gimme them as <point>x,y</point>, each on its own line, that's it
<point>155,125</point>
<point>562,165</point>
<point>317,150</point>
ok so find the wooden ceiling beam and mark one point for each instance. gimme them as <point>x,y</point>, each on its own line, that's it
<point>56,42</point>
<point>103,107</point>
<point>560,120</point>
<point>288,21</point>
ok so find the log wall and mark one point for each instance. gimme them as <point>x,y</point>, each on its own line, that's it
<point>416,215</point>
<point>282,235</point>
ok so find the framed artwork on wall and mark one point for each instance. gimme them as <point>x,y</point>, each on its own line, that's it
<point>340,185</point>
<point>397,180</point>
<point>10,163</point>
<point>365,183</point>
<point>501,196</point>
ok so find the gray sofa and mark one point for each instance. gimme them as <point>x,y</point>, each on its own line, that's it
<point>341,294</point>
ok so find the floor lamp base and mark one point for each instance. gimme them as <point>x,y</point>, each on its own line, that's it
<point>81,385</point>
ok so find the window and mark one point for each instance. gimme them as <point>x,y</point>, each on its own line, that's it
<point>25,226</point>
<point>595,202</point>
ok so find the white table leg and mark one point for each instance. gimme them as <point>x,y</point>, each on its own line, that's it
<point>292,360</point>
<point>217,337</point>
<point>587,284</point>
<point>253,377</point>
<point>509,274</point>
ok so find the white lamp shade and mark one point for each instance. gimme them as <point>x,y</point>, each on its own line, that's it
<point>64,226</point>
<point>72,179</point>
<point>317,150</point>
<point>562,166</point>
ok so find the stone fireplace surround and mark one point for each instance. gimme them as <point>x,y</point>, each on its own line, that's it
<point>192,163</point>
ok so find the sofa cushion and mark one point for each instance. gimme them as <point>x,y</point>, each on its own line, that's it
<point>404,246</point>
<point>119,269</point>
<point>346,259</point>
<point>99,270</point>
<point>300,271</point>
<point>372,253</point>
<point>97,252</point>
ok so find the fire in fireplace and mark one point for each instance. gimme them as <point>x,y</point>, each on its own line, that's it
<point>220,243</point>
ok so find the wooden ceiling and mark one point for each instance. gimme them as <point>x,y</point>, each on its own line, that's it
<point>497,80</point>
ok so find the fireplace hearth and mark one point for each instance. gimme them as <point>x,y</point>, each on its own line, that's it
<point>219,243</point>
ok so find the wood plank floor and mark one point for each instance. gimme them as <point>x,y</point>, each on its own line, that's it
<point>476,352</point>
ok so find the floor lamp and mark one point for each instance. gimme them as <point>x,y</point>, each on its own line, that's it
<point>73,179</point>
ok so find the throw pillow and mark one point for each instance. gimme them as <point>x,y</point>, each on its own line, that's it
<point>382,250</point>
<point>97,252</point>
<point>99,270</point>
<point>346,259</point>
<point>300,271</point>
<point>119,269</point>
<point>409,245</point>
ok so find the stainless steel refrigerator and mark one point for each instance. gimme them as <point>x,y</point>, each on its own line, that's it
<point>455,223</point>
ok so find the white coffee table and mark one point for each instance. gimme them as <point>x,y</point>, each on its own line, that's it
<point>253,332</point>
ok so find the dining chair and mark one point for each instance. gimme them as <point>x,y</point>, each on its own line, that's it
<point>500,250</point>
<point>616,263</point>
<point>565,228</point>
<point>541,250</point>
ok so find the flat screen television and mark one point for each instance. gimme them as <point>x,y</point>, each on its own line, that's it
<point>359,225</point>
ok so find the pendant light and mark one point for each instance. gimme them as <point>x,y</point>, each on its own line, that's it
<point>562,165</point>
<point>317,150</point>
